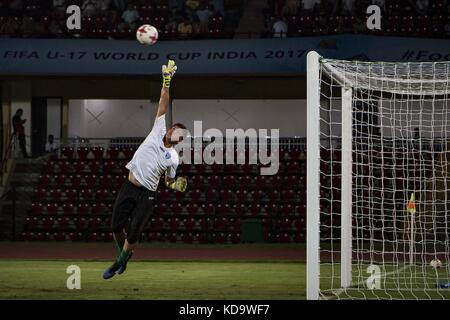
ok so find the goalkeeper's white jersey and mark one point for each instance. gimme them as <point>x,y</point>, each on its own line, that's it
<point>152,158</point>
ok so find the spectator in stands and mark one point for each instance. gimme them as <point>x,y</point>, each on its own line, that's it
<point>204,14</point>
<point>308,6</point>
<point>447,29</point>
<point>119,5</point>
<point>113,20</point>
<point>185,28</point>
<point>103,6</point>
<point>19,131</point>
<point>89,8</point>
<point>219,7</point>
<point>130,18</point>
<point>29,26</point>
<point>178,4</point>
<point>359,26</point>
<point>10,28</point>
<point>191,7</point>
<point>422,6</point>
<point>55,27</point>
<point>348,7</point>
<point>16,6</point>
<point>381,4</point>
<point>280,28</point>
<point>59,5</point>
<point>291,7</point>
<point>174,19</point>
<point>51,146</point>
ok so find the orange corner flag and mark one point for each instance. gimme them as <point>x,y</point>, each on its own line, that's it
<point>412,204</point>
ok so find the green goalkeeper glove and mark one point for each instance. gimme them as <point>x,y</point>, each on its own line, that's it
<point>180,184</point>
<point>168,72</point>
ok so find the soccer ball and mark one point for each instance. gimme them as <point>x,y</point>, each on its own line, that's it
<point>147,34</point>
<point>436,263</point>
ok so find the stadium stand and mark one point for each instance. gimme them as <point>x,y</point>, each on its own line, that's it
<point>212,19</point>
<point>107,20</point>
<point>73,200</point>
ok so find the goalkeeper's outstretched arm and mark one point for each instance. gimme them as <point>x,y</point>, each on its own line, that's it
<point>168,71</point>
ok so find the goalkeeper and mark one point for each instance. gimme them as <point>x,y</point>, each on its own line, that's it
<point>136,197</point>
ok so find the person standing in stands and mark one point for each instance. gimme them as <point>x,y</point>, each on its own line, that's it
<point>19,131</point>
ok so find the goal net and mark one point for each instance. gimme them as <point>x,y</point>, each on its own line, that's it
<point>378,182</point>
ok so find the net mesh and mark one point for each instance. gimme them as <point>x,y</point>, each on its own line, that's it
<point>400,149</point>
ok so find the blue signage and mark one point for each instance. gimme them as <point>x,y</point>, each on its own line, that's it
<point>228,57</point>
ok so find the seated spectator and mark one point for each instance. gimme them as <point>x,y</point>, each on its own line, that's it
<point>10,28</point>
<point>191,7</point>
<point>51,146</point>
<point>29,26</point>
<point>55,27</point>
<point>280,28</point>
<point>185,28</point>
<point>381,4</point>
<point>174,20</point>
<point>103,6</point>
<point>130,18</point>
<point>203,14</point>
<point>291,7</point>
<point>118,5</point>
<point>308,7</point>
<point>422,6</point>
<point>113,20</point>
<point>89,8</point>
<point>447,29</point>
<point>359,26</point>
<point>348,7</point>
<point>178,4</point>
<point>219,7</point>
<point>59,5</point>
<point>16,6</point>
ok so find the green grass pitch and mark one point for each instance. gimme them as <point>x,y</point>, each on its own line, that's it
<point>203,280</point>
<point>25,279</point>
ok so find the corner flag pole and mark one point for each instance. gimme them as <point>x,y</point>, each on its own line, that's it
<point>412,211</point>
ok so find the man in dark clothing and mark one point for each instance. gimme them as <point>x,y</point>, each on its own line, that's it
<point>19,131</point>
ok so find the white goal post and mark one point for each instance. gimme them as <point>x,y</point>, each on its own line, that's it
<point>378,181</point>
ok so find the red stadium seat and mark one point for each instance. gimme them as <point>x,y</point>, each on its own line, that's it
<point>83,153</point>
<point>37,209</point>
<point>68,208</point>
<point>68,152</point>
<point>271,209</point>
<point>94,167</point>
<point>98,152</point>
<point>83,209</point>
<point>240,209</point>
<point>223,209</point>
<point>226,195</point>
<point>55,194</point>
<point>87,194</point>
<point>212,195</point>
<point>113,153</point>
<point>255,210</point>
<point>128,152</point>
<point>79,166</point>
<point>65,167</point>
<point>91,181</point>
<point>229,181</point>
<point>241,195</point>
<point>99,208</point>
<point>52,209</point>
<point>44,180</point>
<point>60,180</point>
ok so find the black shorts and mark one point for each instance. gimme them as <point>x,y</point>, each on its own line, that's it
<point>135,204</point>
